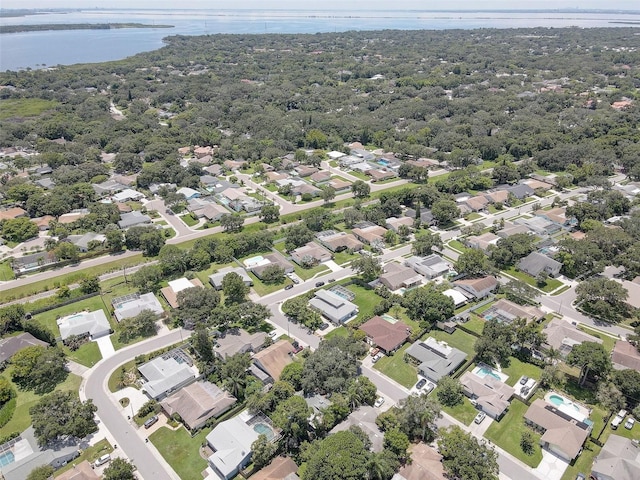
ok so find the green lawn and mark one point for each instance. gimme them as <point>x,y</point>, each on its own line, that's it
<point>507,434</point>
<point>464,412</point>
<point>366,300</point>
<point>343,257</point>
<point>263,289</point>
<point>6,272</point>
<point>204,274</point>
<point>397,368</point>
<point>307,273</point>
<point>475,324</point>
<point>583,463</point>
<point>87,355</point>
<point>181,450</point>
<point>27,399</point>
<point>189,220</point>
<point>608,342</point>
<point>550,286</point>
<point>24,107</point>
<point>473,216</point>
<point>341,331</point>
<point>458,246</point>
<point>112,383</point>
<point>517,369</point>
<point>458,339</point>
<point>91,454</point>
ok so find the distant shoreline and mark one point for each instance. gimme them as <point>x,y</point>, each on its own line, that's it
<point>75,26</point>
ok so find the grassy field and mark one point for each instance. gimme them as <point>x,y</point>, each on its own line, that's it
<point>366,300</point>
<point>181,451</point>
<point>458,246</point>
<point>263,289</point>
<point>463,412</point>
<point>24,107</point>
<point>69,278</point>
<point>475,324</point>
<point>343,257</point>
<point>517,369</point>
<point>458,339</point>
<point>27,399</point>
<point>396,368</point>
<point>550,286</point>
<point>307,273</point>
<point>507,434</point>
<point>6,272</point>
<point>608,342</point>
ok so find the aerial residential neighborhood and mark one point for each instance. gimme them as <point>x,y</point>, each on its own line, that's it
<point>368,306</point>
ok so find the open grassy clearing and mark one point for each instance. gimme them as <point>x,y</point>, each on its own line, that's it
<point>181,450</point>
<point>396,368</point>
<point>458,339</point>
<point>25,107</point>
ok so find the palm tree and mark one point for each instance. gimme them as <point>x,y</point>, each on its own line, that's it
<point>377,467</point>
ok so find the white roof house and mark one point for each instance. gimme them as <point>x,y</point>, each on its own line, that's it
<point>455,295</point>
<point>130,306</point>
<point>333,307</point>
<point>92,324</point>
<point>127,195</point>
<point>180,284</point>
<point>167,373</point>
<point>188,192</point>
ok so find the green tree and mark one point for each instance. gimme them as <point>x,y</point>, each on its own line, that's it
<point>360,189</point>
<point>425,242</point>
<point>119,469</point>
<point>465,457</point>
<point>610,397</point>
<point>604,298</point>
<point>445,211</point>
<point>527,442</point>
<point>232,222</point>
<point>115,241</point>
<point>296,236</point>
<point>152,242</point>
<point>450,392</point>
<point>44,472</point>
<point>341,456</point>
<point>397,442</point>
<point>428,306</point>
<point>203,345</point>
<point>628,382</point>
<point>328,194</point>
<point>234,373</point>
<point>368,267</point>
<point>39,368</point>
<point>7,391</point>
<point>592,359</point>
<point>473,263</point>
<point>262,451</point>
<point>292,374</point>
<point>90,284</point>
<point>60,415</point>
<point>234,289</point>
<point>147,278</point>
<point>494,346</point>
<point>273,273</point>
<point>142,325</point>
<point>361,391</point>
<point>417,417</point>
<point>66,251</point>
<point>269,213</point>
<point>173,259</point>
<point>19,229</point>
<point>292,417</point>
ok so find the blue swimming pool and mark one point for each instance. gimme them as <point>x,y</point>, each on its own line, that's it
<point>484,371</point>
<point>6,458</point>
<point>263,429</point>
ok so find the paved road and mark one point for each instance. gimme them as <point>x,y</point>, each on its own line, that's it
<point>125,435</point>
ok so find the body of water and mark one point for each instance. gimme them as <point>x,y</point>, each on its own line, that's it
<point>50,48</point>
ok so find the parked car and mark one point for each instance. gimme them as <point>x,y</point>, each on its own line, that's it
<point>615,423</point>
<point>319,284</point>
<point>289,287</point>
<point>324,326</point>
<point>479,417</point>
<point>430,386</point>
<point>295,280</point>
<point>581,476</point>
<point>524,380</point>
<point>379,402</point>
<point>629,424</point>
<point>273,334</point>
<point>331,280</point>
<point>102,460</point>
<point>151,421</point>
<point>421,383</point>
<point>376,357</point>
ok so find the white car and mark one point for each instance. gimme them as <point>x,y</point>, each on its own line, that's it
<point>379,402</point>
<point>480,417</point>
<point>102,460</point>
<point>629,424</point>
<point>273,334</point>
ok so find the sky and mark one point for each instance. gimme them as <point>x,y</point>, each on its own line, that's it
<point>328,4</point>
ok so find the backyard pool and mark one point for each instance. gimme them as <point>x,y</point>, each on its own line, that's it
<point>566,406</point>
<point>484,370</point>
<point>263,429</point>
<point>255,261</point>
<point>6,458</point>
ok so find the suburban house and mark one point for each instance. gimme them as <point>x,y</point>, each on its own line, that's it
<point>509,229</point>
<point>167,373</point>
<point>133,219</point>
<point>365,418</point>
<point>310,254</point>
<point>536,263</point>
<point>380,174</point>
<point>131,305</point>
<point>386,335</point>
<point>43,222</point>
<point>305,170</point>
<point>81,471</point>
<point>435,359</point>
<point>477,288</point>
<point>198,402</point>
<point>339,185</point>
<point>562,434</point>
<point>11,213</point>
<point>520,191</point>
<point>280,468</point>
<point>170,293</point>
<point>86,242</point>
<point>9,346</point>
<point>33,261</point>
<point>558,216</point>
<point>231,442</point>
<point>216,279</point>
<point>84,324</point>
<point>246,203</point>
<point>563,336</point>
<point>498,196</point>
<point>333,307</point>
<point>431,266</point>
<point>393,223</point>
<point>624,355</point>
<point>456,296</point>
<point>213,169</point>
<point>67,218</point>
<point>273,359</point>
<point>321,177</point>
<point>188,193</point>
<point>234,164</point>
<point>426,217</point>
<point>483,241</point>
<point>339,241</point>
<point>371,234</point>
<point>127,195</point>
<point>274,258</point>
<point>539,225</point>
<point>398,276</point>
<point>492,395</point>
<point>477,203</point>
<point>426,464</point>
<point>238,341</point>
<point>633,290</point>
<point>619,459</point>
<point>507,311</point>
